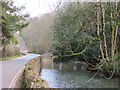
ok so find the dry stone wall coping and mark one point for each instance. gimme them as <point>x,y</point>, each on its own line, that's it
<point>31,75</point>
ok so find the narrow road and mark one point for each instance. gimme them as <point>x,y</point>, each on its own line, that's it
<point>11,67</point>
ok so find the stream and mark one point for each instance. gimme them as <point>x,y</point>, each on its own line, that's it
<point>73,75</point>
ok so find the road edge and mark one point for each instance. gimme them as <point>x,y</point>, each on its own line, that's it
<point>12,85</point>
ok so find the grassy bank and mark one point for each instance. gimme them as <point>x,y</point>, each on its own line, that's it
<point>7,58</point>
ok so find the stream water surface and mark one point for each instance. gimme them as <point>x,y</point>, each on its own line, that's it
<point>73,75</point>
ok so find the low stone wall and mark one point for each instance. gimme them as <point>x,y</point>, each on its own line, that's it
<point>31,75</point>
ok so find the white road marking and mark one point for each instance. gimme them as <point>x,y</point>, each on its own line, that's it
<point>15,78</point>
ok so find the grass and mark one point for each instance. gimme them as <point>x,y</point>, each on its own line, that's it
<point>6,58</point>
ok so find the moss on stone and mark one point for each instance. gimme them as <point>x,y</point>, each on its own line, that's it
<point>31,76</point>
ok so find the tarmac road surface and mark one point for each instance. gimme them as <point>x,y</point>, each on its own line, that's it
<point>11,67</point>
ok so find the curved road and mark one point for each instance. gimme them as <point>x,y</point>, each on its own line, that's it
<point>11,67</point>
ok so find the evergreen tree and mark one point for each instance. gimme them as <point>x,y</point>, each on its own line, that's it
<point>11,21</point>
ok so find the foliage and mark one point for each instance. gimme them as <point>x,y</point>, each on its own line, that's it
<point>72,33</point>
<point>11,21</point>
<point>40,30</point>
<point>17,51</point>
<point>89,32</point>
<point>14,39</point>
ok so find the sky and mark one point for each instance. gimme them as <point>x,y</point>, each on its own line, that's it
<point>39,7</point>
<point>36,7</point>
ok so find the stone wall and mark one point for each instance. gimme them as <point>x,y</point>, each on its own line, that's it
<point>31,75</point>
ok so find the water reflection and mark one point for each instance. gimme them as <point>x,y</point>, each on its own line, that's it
<point>47,63</point>
<point>72,75</point>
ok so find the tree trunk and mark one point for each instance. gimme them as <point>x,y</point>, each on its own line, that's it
<point>98,31</point>
<point>113,32</point>
<point>103,28</point>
